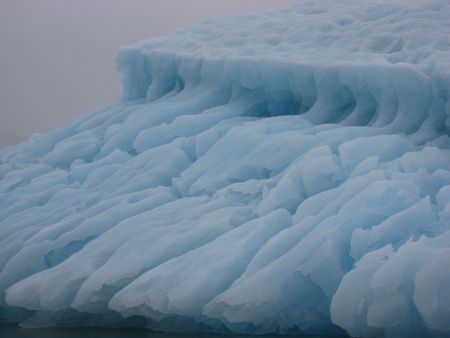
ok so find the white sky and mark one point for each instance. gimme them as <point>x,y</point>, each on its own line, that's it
<point>57,56</point>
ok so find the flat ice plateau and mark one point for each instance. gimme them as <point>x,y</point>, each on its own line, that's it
<point>278,172</point>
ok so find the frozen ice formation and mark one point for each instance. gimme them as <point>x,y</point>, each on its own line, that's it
<point>278,172</point>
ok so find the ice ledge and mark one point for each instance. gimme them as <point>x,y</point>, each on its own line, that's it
<point>366,61</point>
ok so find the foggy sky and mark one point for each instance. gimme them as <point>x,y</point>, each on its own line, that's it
<point>57,56</point>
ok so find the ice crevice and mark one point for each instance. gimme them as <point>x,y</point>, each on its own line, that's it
<point>277,172</point>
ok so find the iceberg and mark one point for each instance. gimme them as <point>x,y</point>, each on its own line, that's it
<point>285,171</point>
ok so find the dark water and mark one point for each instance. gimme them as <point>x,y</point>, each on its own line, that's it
<point>16,332</point>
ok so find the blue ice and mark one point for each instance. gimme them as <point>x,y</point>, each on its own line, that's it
<point>281,172</point>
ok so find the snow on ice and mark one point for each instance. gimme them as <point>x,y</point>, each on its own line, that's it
<point>282,171</point>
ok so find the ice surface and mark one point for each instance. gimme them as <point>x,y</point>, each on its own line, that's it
<point>283,171</point>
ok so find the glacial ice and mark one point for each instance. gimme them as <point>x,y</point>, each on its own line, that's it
<point>278,172</point>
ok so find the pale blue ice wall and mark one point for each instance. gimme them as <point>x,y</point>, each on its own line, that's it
<point>285,171</point>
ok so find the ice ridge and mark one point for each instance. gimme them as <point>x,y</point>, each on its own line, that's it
<point>278,172</point>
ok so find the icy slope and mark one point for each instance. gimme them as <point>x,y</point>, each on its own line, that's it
<point>285,171</point>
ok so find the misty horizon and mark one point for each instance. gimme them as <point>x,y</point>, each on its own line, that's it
<point>58,58</point>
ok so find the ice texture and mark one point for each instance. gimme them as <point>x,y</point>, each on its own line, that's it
<point>285,171</point>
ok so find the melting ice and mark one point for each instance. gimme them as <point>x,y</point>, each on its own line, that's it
<point>282,171</point>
